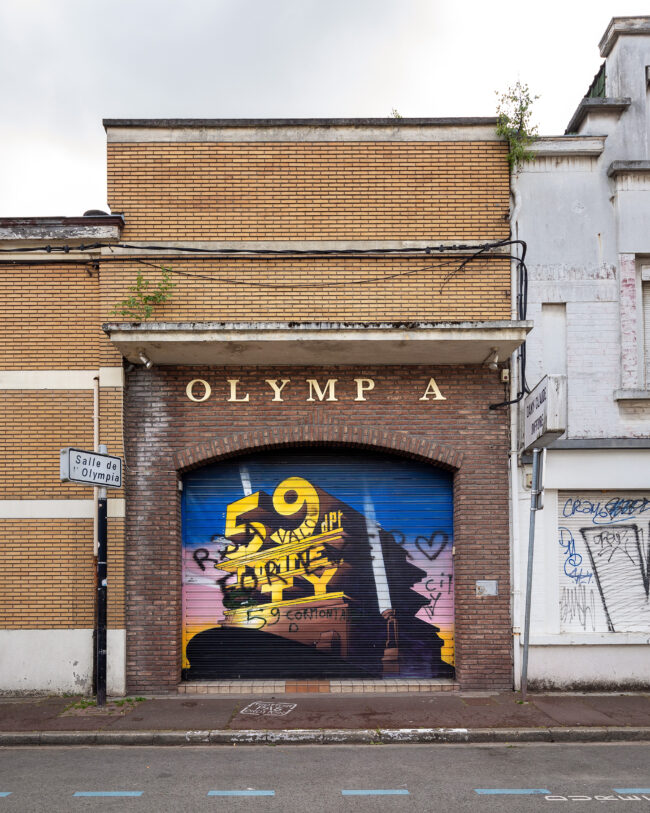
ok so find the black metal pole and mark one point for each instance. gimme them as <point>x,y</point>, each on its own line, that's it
<point>535,505</point>
<point>102,534</point>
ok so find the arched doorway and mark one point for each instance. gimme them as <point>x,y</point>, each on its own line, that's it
<point>318,562</point>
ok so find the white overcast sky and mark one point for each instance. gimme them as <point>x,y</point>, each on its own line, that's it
<point>66,64</point>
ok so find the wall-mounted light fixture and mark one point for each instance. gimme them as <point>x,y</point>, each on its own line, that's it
<point>491,362</point>
<point>148,363</point>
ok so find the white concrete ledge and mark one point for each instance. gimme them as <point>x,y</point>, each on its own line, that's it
<point>631,395</point>
<point>223,343</point>
<point>299,130</point>
<point>569,146</point>
<point>58,509</point>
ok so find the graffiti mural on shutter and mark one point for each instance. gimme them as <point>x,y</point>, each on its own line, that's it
<point>604,558</point>
<point>317,564</point>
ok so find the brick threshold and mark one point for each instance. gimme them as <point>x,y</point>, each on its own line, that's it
<point>315,686</point>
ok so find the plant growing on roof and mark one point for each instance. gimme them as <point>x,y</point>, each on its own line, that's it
<point>514,112</point>
<point>143,297</point>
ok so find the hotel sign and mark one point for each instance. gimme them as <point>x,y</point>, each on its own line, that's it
<point>545,411</point>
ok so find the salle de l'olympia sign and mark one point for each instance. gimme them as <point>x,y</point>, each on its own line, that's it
<point>90,468</point>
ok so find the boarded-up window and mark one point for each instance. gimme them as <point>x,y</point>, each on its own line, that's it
<point>603,560</point>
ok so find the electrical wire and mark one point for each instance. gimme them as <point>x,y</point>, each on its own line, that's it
<point>522,309</point>
<point>302,285</point>
<point>175,250</point>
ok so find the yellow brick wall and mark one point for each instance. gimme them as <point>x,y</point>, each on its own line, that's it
<point>310,190</point>
<point>36,424</point>
<point>47,574</point>
<point>49,317</point>
<point>325,288</point>
<point>50,320</point>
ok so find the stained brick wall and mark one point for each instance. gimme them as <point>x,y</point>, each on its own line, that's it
<point>161,422</point>
<point>310,190</point>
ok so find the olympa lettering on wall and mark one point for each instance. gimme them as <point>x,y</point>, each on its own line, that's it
<point>199,390</point>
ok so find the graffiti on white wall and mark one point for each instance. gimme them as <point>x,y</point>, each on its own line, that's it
<point>604,561</point>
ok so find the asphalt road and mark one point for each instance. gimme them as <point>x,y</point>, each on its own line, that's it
<point>412,778</point>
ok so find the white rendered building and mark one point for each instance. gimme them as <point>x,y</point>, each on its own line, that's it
<point>583,208</point>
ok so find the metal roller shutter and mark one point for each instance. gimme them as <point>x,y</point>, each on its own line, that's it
<point>318,564</point>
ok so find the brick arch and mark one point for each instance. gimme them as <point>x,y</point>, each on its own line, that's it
<point>275,436</point>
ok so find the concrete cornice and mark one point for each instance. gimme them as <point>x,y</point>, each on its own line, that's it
<point>569,146</point>
<point>619,26</point>
<point>617,168</point>
<point>37,230</point>
<point>299,344</point>
<point>124,131</point>
<point>296,122</point>
<point>608,106</point>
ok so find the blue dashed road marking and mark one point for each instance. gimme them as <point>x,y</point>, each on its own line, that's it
<point>108,793</point>
<point>5,793</point>
<point>512,791</point>
<point>398,792</point>
<point>631,790</point>
<point>241,793</point>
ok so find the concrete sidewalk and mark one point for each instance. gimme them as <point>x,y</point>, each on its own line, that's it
<point>324,718</point>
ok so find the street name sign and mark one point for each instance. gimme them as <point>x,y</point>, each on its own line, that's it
<point>545,410</point>
<point>90,468</point>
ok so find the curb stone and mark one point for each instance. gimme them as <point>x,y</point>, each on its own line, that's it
<point>332,736</point>
<point>579,734</point>
<point>629,734</point>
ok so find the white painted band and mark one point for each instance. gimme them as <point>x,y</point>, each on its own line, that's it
<point>60,379</point>
<point>57,509</point>
<point>301,134</point>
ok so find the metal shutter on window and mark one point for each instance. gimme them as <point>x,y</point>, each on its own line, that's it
<point>603,561</point>
<point>312,563</point>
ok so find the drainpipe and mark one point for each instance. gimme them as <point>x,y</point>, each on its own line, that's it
<point>95,523</point>
<point>96,449</point>
<point>514,458</point>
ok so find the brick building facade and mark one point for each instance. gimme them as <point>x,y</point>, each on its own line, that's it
<point>316,489</point>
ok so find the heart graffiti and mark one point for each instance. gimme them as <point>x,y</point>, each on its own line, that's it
<point>433,545</point>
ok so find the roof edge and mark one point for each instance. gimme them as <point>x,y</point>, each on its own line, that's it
<point>304,122</point>
<point>621,26</point>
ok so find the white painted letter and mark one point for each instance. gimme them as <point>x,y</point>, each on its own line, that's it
<point>233,391</point>
<point>190,386</point>
<point>363,385</point>
<point>433,389</point>
<point>314,387</point>
<point>272,382</point>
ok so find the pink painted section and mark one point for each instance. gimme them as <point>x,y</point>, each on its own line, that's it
<point>629,306</point>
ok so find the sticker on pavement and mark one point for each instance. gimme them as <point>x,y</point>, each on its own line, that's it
<point>268,709</point>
